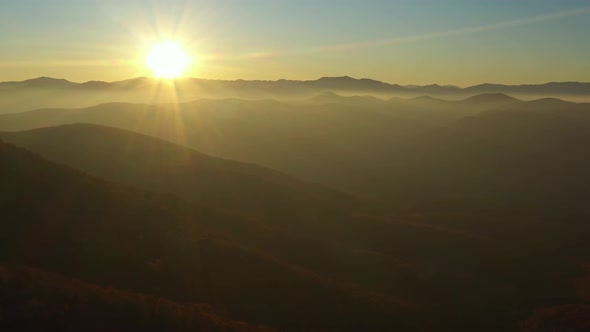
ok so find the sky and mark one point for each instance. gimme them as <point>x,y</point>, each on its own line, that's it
<point>455,42</point>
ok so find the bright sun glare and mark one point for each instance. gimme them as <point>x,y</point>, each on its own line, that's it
<point>167,60</point>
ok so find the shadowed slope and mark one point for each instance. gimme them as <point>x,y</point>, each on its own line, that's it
<point>61,220</point>
<point>315,142</point>
<point>34,300</point>
<point>331,143</point>
<point>499,245</point>
<point>157,165</point>
<point>337,144</point>
<point>523,154</point>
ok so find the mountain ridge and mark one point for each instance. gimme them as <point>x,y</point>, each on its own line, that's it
<point>61,220</point>
<point>45,92</point>
<point>325,81</point>
<point>319,142</point>
<point>157,165</point>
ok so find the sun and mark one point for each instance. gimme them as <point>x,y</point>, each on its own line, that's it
<point>167,59</point>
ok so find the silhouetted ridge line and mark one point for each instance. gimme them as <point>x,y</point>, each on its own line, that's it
<point>491,97</point>
<point>335,82</point>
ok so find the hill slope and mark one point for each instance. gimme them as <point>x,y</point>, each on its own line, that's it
<point>35,300</point>
<point>60,220</point>
<point>153,164</point>
<point>457,263</point>
<point>528,154</point>
<point>330,143</point>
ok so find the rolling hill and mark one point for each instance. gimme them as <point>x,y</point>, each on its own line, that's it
<point>472,225</point>
<point>34,300</point>
<point>522,154</point>
<point>153,164</point>
<point>60,220</point>
<point>331,143</point>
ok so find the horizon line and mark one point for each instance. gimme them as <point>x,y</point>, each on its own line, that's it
<point>286,79</point>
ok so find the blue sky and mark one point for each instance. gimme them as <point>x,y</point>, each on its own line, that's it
<point>406,42</point>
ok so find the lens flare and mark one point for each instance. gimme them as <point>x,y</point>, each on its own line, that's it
<point>167,60</point>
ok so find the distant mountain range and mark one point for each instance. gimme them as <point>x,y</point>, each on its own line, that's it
<point>46,92</point>
<point>344,83</point>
